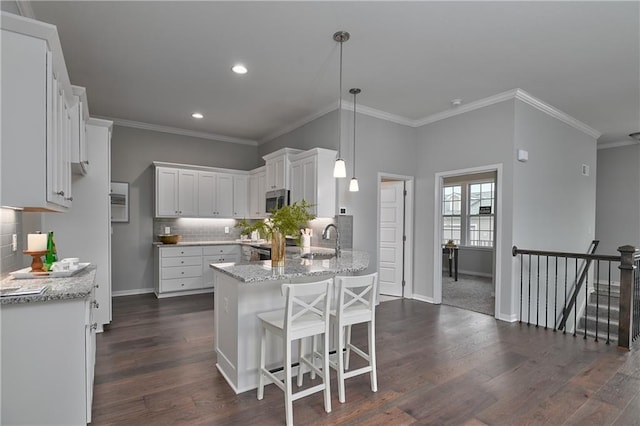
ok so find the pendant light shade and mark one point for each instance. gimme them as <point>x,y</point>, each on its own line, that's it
<point>340,169</point>
<point>353,185</point>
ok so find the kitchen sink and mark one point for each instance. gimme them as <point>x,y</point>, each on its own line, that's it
<point>318,256</point>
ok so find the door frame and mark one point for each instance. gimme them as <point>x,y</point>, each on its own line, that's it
<point>437,230</point>
<point>408,228</point>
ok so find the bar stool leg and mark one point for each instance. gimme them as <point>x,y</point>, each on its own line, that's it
<point>348,346</point>
<point>301,349</point>
<point>327,373</point>
<point>263,342</point>
<point>287,383</point>
<point>372,356</point>
<point>341,363</point>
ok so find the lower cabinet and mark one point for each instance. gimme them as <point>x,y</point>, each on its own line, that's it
<point>48,360</point>
<point>182,270</point>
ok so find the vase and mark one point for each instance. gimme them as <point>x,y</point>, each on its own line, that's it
<point>278,245</point>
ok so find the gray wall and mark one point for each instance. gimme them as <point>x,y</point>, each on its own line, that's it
<point>618,199</point>
<point>476,139</point>
<point>11,223</point>
<point>132,154</point>
<point>381,146</point>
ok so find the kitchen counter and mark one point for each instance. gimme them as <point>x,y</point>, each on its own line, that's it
<point>210,243</point>
<point>246,289</point>
<point>73,287</point>
<point>296,266</point>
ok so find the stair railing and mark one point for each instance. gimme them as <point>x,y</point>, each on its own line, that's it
<point>548,292</point>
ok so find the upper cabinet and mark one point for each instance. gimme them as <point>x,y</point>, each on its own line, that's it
<point>257,193</point>
<point>215,194</point>
<point>176,192</point>
<point>240,196</point>
<point>312,180</point>
<point>278,164</point>
<point>79,118</point>
<point>36,117</point>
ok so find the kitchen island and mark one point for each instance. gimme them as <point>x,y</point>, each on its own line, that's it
<point>48,350</point>
<point>246,289</point>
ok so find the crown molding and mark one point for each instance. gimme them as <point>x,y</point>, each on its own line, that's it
<point>617,144</point>
<point>520,95</point>
<point>24,6</point>
<point>556,113</point>
<point>304,120</point>
<point>178,131</point>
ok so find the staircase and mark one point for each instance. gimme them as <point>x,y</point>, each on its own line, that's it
<point>599,302</point>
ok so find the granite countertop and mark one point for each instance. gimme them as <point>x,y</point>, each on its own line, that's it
<point>73,287</point>
<point>295,266</point>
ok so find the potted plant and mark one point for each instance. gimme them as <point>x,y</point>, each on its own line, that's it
<point>287,220</point>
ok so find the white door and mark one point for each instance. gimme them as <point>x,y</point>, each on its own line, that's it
<point>391,236</point>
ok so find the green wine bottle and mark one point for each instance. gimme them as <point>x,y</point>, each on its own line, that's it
<point>51,257</point>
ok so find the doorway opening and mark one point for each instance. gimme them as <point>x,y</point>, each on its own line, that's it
<point>395,235</point>
<point>467,245</point>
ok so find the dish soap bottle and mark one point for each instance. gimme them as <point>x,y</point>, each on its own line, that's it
<point>51,257</point>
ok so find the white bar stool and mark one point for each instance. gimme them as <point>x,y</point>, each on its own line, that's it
<point>306,314</point>
<point>356,304</point>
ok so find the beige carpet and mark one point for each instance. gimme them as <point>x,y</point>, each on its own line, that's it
<point>469,292</point>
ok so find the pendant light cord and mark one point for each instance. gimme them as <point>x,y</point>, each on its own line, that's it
<point>340,106</point>
<point>354,133</point>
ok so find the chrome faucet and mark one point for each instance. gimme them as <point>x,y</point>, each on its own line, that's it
<point>325,236</point>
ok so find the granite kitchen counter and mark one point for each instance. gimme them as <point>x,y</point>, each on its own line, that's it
<point>73,287</point>
<point>210,243</point>
<point>295,266</point>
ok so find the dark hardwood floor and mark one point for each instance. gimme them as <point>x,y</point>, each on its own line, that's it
<point>436,365</point>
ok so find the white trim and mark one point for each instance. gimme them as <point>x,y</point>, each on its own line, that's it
<point>304,120</point>
<point>121,293</point>
<point>507,318</point>
<point>409,217</point>
<point>475,273</point>
<point>199,168</point>
<point>24,6</point>
<point>423,299</point>
<point>177,131</point>
<point>609,145</point>
<point>382,115</point>
<point>520,95</point>
<point>437,232</point>
<point>100,122</point>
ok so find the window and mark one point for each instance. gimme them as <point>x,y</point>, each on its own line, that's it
<point>468,213</point>
<point>452,213</point>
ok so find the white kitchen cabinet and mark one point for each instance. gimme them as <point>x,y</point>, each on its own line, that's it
<point>36,121</point>
<point>176,192</point>
<point>240,196</point>
<point>257,193</point>
<point>277,168</point>
<point>178,270</point>
<point>312,180</point>
<point>215,194</point>
<point>79,117</point>
<point>217,254</point>
<point>48,360</point>
<point>85,230</point>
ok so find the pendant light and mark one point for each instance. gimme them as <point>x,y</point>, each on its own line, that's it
<point>339,169</point>
<point>353,185</point>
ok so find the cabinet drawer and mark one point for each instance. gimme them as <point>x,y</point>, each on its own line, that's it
<point>182,261</point>
<point>180,251</point>
<point>181,272</point>
<point>178,284</point>
<point>221,259</point>
<point>216,250</point>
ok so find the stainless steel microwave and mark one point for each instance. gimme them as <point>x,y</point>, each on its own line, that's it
<point>277,199</point>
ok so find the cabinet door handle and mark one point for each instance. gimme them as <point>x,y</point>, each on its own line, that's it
<point>60,193</point>
<point>182,261</point>
<point>69,198</point>
<point>97,285</point>
<point>95,304</point>
<point>94,326</point>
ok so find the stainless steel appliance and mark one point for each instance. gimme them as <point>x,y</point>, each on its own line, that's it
<point>277,199</point>
<point>261,251</point>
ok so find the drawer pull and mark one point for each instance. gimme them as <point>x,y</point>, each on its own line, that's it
<point>94,326</point>
<point>95,304</point>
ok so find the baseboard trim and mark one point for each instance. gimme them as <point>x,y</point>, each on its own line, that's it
<point>423,299</point>
<point>507,317</point>
<point>475,274</point>
<point>121,293</point>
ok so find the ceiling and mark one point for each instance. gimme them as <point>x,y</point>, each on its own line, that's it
<point>157,62</point>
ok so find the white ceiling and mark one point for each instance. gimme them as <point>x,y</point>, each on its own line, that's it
<point>156,62</point>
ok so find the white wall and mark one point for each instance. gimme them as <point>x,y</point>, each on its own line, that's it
<point>132,154</point>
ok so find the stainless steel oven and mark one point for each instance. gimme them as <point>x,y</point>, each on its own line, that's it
<point>277,199</point>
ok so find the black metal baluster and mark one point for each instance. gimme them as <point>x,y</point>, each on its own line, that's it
<point>529,296</point>
<point>609,303</point>
<point>636,298</point>
<point>555,296</point>
<point>537,290</point>
<point>521,273</point>
<point>586,303</point>
<point>564,310</point>
<point>575,311</point>
<point>596,285</point>
<point>546,297</point>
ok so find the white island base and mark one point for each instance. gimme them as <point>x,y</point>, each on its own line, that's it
<point>237,303</point>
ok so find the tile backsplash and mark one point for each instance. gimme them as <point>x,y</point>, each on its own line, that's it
<point>10,224</point>
<point>200,229</point>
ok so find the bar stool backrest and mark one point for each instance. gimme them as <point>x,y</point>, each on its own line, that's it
<point>307,307</point>
<point>356,298</point>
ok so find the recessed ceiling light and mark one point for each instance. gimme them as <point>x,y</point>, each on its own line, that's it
<point>197,115</point>
<point>239,69</point>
